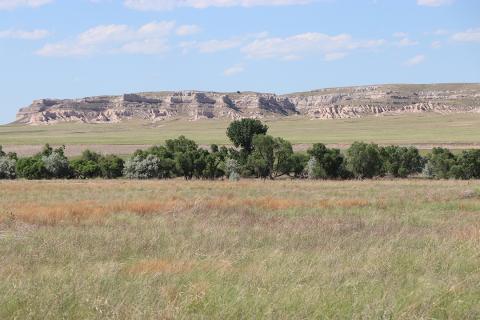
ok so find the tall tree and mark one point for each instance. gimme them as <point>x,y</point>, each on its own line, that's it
<point>241,133</point>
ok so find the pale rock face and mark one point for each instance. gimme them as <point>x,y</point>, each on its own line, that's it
<point>334,103</point>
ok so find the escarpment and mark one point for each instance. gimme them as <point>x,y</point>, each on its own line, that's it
<point>332,103</point>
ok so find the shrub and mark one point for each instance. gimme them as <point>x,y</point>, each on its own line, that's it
<point>271,157</point>
<point>298,164</point>
<point>314,171</point>
<point>48,164</point>
<point>57,166</point>
<point>231,166</point>
<point>439,163</point>
<point>111,167</point>
<point>401,161</point>
<point>329,162</point>
<point>467,165</point>
<point>213,162</point>
<point>85,169</point>
<point>364,160</point>
<point>7,167</point>
<point>31,168</point>
<point>143,168</point>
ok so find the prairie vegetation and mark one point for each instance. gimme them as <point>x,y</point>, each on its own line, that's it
<point>125,249</point>
<point>422,130</point>
<point>256,155</point>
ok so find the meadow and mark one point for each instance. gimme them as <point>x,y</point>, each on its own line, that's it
<point>99,249</point>
<point>418,129</point>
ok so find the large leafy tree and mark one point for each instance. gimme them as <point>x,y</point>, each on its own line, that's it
<point>401,161</point>
<point>440,162</point>
<point>329,163</point>
<point>364,160</point>
<point>241,133</point>
<point>271,157</point>
<point>467,165</point>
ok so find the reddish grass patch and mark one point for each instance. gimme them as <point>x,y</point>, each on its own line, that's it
<point>77,212</point>
<point>159,266</point>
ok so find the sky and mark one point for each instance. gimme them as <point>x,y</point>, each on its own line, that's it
<point>78,48</point>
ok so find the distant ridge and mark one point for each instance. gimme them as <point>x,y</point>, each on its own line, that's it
<point>328,103</point>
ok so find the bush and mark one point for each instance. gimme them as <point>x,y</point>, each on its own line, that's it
<point>48,164</point>
<point>401,161</point>
<point>57,165</point>
<point>364,160</point>
<point>7,167</point>
<point>213,162</point>
<point>298,164</point>
<point>93,165</point>
<point>231,166</point>
<point>111,167</point>
<point>31,168</point>
<point>314,170</point>
<point>143,168</point>
<point>329,162</point>
<point>439,163</point>
<point>85,169</point>
<point>467,165</point>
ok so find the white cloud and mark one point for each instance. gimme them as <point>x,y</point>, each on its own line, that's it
<point>151,38</point>
<point>433,3</point>
<point>471,35</point>
<point>234,70</point>
<point>156,5</point>
<point>400,34</point>
<point>13,4</point>
<point>334,56</point>
<point>415,60</point>
<point>436,44</point>
<point>187,30</point>
<point>405,42</point>
<point>23,34</point>
<point>332,47</point>
<point>216,45</point>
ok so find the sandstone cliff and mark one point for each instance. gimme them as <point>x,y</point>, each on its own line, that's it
<point>332,103</point>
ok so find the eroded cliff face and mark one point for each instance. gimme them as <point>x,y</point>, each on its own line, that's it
<point>333,103</point>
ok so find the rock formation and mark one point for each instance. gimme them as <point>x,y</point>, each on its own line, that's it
<point>333,103</point>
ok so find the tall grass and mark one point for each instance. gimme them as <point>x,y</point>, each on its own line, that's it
<point>219,250</point>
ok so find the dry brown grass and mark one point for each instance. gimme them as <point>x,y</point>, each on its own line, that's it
<point>160,266</point>
<point>221,250</point>
<point>93,211</point>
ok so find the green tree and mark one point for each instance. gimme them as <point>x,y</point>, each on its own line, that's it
<point>111,166</point>
<point>401,161</point>
<point>31,168</point>
<point>467,165</point>
<point>329,162</point>
<point>214,162</point>
<point>299,162</point>
<point>439,163</point>
<point>364,160</point>
<point>271,157</point>
<point>241,133</point>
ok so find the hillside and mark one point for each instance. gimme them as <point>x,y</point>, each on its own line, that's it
<point>331,103</point>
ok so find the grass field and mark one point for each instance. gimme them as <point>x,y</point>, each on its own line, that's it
<point>406,249</point>
<point>404,129</point>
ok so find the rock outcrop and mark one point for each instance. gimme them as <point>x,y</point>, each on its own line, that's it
<point>333,103</point>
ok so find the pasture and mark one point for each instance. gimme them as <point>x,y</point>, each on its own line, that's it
<point>403,249</point>
<point>418,129</point>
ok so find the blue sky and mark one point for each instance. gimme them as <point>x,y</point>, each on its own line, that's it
<point>77,48</point>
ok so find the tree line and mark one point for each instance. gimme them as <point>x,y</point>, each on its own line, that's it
<point>255,155</point>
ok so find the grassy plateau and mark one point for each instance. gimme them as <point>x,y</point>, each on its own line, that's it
<point>403,249</point>
<point>401,129</point>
